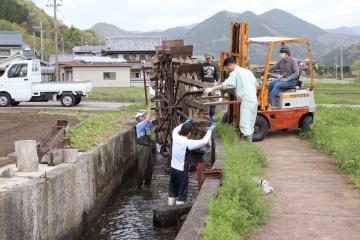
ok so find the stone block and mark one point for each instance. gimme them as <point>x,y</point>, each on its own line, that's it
<point>26,156</point>
<point>170,216</point>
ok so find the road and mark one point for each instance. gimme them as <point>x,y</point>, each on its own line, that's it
<point>83,106</point>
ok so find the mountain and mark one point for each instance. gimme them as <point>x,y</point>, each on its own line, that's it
<point>350,54</point>
<point>212,35</point>
<point>22,15</point>
<point>109,30</point>
<point>346,30</point>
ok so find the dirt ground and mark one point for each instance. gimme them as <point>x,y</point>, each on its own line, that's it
<point>26,126</point>
<point>311,200</point>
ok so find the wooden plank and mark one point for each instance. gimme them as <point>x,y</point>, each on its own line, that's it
<point>189,68</point>
<point>166,44</point>
<point>193,83</point>
<point>185,51</point>
<point>195,104</point>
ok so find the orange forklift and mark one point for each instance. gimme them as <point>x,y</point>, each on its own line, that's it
<point>292,108</point>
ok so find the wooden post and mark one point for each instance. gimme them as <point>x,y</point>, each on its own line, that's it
<point>27,158</point>
<point>145,87</point>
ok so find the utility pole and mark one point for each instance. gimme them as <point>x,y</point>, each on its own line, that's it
<point>34,42</point>
<point>335,66</point>
<point>55,4</point>
<point>63,45</point>
<point>41,29</point>
<point>342,64</point>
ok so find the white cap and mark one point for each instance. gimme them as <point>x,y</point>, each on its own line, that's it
<point>139,115</point>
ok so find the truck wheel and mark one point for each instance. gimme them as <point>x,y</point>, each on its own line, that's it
<point>5,100</point>
<point>77,100</point>
<point>306,123</point>
<point>260,129</point>
<point>67,100</point>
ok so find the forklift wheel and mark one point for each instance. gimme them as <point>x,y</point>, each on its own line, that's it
<point>306,123</point>
<point>261,128</point>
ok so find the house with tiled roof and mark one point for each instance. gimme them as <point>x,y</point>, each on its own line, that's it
<point>88,50</point>
<point>136,50</point>
<point>11,44</point>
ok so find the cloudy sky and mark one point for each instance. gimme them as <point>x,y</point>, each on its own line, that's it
<point>146,15</point>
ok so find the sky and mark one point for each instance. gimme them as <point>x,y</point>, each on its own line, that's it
<point>147,15</point>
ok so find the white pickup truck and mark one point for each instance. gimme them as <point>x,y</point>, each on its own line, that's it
<point>21,82</point>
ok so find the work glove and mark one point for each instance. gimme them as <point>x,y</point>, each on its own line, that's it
<point>212,127</point>
<point>188,120</point>
<point>208,90</point>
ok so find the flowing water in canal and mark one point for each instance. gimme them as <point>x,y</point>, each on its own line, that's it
<point>129,215</point>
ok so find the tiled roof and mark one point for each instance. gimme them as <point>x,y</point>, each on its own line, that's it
<point>11,39</point>
<point>87,59</point>
<point>133,43</point>
<point>88,48</point>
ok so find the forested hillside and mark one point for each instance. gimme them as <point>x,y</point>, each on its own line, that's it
<point>22,15</point>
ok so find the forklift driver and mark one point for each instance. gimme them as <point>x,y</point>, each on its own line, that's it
<point>288,68</point>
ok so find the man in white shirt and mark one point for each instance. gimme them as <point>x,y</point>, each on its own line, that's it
<point>244,84</point>
<point>181,147</point>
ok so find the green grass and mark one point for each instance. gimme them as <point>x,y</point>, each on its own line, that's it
<point>337,132</point>
<point>328,93</point>
<point>130,94</point>
<point>239,207</point>
<point>337,98</point>
<point>99,127</point>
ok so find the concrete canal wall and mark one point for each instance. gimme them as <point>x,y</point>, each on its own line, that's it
<point>195,220</point>
<point>61,202</point>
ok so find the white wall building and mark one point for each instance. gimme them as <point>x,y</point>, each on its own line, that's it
<point>101,75</point>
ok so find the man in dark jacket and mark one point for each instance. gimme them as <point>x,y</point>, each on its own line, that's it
<point>208,73</point>
<point>288,68</point>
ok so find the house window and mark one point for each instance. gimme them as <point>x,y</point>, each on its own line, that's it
<point>5,52</point>
<point>126,57</point>
<point>17,71</point>
<point>133,58</point>
<point>109,75</point>
<point>142,57</point>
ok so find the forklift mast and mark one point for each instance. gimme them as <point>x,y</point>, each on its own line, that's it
<point>239,49</point>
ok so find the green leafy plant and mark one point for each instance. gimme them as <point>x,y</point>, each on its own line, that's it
<point>239,207</point>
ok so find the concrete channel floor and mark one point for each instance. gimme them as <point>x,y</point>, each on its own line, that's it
<point>310,199</point>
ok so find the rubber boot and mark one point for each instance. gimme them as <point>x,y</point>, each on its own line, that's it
<point>179,202</point>
<point>248,138</point>
<point>171,201</point>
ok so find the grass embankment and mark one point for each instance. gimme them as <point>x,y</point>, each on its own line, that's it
<point>337,131</point>
<point>100,126</point>
<point>239,207</point>
<point>130,94</point>
<point>327,93</point>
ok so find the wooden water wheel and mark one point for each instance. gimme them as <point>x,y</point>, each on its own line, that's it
<point>178,91</point>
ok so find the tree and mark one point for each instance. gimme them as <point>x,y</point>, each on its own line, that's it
<point>355,68</point>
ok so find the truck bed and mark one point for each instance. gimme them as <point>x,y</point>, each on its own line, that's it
<point>76,86</point>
